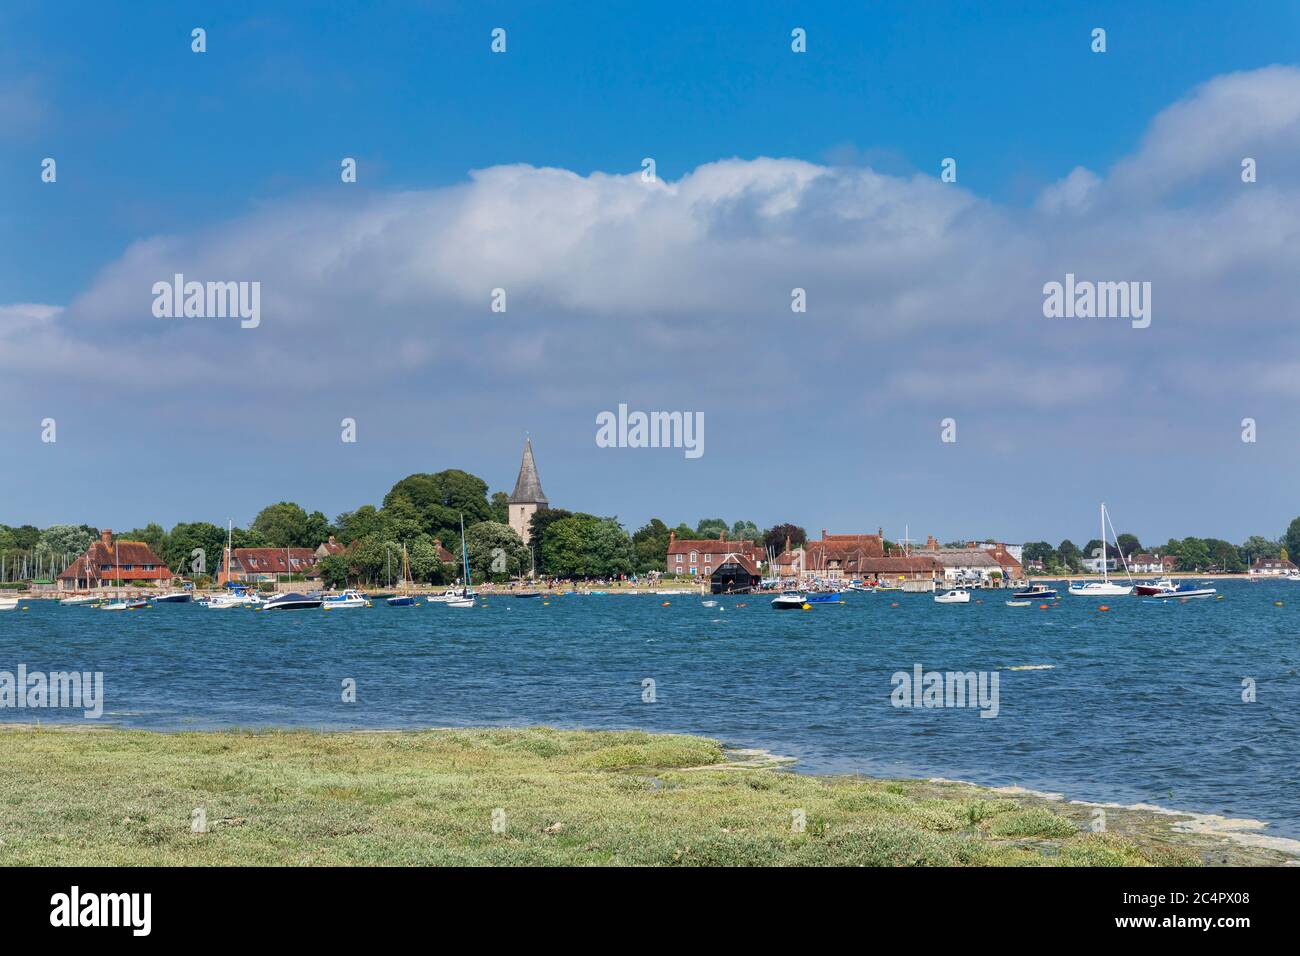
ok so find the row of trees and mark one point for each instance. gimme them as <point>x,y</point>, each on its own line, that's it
<point>423,511</point>
<point>1192,553</point>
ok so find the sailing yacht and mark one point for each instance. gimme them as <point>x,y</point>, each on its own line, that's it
<point>406,598</point>
<point>467,598</point>
<point>1105,587</point>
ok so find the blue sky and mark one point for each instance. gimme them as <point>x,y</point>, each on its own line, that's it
<point>229,160</point>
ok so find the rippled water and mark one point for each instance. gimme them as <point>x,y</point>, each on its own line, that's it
<point>1143,703</point>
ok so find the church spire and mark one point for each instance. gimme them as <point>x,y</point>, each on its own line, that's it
<point>528,488</point>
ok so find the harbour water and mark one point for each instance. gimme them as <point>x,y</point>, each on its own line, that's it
<point>1141,703</point>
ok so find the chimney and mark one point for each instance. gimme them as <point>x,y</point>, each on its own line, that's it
<point>880,532</point>
<point>787,542</point>
<point>823,534</point>
<point>724,535</point>
<point>930,543</point>
<point>106,536</point>
<point>672,536</point>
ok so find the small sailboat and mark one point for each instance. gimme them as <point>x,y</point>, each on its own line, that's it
<point>955,596</point>
<point>405,599</point>
<point>467,597</point>
<point>78,600</point>
<point>1105,587</point>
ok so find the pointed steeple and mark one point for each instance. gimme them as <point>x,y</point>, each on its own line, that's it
<point>528,489</point>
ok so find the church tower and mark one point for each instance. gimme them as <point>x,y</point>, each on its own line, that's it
<point>528,498</point>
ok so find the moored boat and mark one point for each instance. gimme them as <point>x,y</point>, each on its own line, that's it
<point>1105,587</point>
<point>789,601</point>
<point>346,599</point>
<point>826,597</point>
<point>955,596</point>
<point>1037,592</point>
<point>291,601</point>
<point>8,604</point>
<point>174,597</point>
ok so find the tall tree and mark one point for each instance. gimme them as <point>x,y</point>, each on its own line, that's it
<point>496,552</point>
<point>775,536</point>
<point>1291,540</point>
<point>285,525</point>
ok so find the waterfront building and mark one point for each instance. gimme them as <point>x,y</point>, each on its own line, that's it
<point>700,557</point>
<point>267,564</point>
<point>108,562</point>
<point>528,498</point>
<point>1145,562</point>
<point>1272,566</point>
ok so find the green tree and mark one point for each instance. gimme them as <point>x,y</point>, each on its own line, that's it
<point>496,552</point>
<point>441,499</point>
<point>366,521</point>
<point>584,546</point>
<point>500,505</point>
<point>1040,551</point>
<point>64,539</point>
<point>1291,540</point>
<point>1257,546</point>
<point>1129,544</point>
<point>286,525</point>
<point>1069,555</point>
<point>710,529</point>
<point>650,546</point>
<point>184,540</point>
<point>746,531</point>
<point>333,571</point>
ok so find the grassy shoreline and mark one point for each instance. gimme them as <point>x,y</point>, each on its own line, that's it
<point>121,797</point>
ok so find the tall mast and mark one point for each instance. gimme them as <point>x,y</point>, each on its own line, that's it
<point>1104,576</point>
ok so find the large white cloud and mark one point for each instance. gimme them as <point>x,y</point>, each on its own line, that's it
<point>615,283</point>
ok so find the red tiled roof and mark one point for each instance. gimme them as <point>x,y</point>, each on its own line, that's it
<point>134,553</point>
<point>273,560</point>
<point>912,565</point>
<point>737,558</point>
<point>709,546</point>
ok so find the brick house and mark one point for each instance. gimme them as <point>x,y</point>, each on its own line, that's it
<point>697,557</point>
<point>107,562</point>
<point>267,564</point>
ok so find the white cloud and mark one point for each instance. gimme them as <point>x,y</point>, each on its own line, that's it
<point>614,283</point>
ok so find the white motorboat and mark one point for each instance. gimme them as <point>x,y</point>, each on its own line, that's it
<point>347,599</point>
<point>238,597</point>
<point>449,595</point>
<point>789,601</point>
<point>460,602</point>
<point>174,597</point>
<point>8,604</point>
<point>291,601</point>
<point>1105,587</point>
<point>125,605</point>
<point>955,596</point>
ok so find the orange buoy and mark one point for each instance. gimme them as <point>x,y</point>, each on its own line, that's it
<point>1042,607</point>
<point>1104,607</point>
<point>665,604</point>
<point>895,604</point>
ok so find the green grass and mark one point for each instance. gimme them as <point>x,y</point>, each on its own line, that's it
<point>115,797</point>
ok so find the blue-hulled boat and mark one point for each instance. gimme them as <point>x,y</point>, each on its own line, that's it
<point>1037,592</point>
<point>825,597</point>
